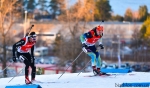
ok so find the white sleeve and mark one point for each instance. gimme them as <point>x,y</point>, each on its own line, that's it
<point>100,41</point>
<point>84,41</point>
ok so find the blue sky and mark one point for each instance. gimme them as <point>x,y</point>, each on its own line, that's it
<point>120,6</point>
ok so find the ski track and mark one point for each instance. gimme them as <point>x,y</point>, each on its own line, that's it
<point>71,80</point>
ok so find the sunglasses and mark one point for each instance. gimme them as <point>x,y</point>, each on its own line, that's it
<point>33,37</point>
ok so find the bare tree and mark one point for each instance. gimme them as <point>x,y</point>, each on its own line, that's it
<point>136,42</point>
<point>7,19</point>
<point>75,19</point>
<point>113,34</point>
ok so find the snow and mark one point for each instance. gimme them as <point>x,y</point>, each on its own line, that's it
<point>71,80</point>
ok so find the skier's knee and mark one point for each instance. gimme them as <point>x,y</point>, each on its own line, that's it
<point>34,68</point>
<point>92,55</point>
<point>97,55</point>
<point>26,67</point>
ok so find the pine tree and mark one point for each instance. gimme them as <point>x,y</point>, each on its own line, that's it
<point>103,9</point>
<point>42,4</point>
<point>30,5</point>
<point>143,13</point>
<point>57,7</point>
<point>128,15</point>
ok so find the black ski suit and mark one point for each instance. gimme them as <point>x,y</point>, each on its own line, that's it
<point>28,58</point>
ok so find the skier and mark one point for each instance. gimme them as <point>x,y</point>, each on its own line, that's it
<point>88,46</point>
<point>21,51</point>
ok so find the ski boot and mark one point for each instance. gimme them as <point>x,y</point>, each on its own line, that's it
<point>98,72</point>
<point>27,81</point>
<point>101,73</point>
<point>95,72</point>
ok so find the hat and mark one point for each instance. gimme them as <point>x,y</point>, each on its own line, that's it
<point>99,28</point>
<point>32,34</point>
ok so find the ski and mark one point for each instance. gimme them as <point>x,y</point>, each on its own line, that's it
<point>47,82</point>
<point>41,82</point>
<point>105,75</point>
<point>37,82</point>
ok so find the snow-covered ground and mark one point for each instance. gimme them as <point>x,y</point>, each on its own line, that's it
<point>71,80</point>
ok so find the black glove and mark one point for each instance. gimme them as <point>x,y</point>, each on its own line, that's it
<point>14,59</point>
<point>84,45</point>
<point>102,47</point>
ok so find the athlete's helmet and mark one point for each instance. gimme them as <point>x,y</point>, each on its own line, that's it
<point>32,34</point>
<point>99,28</point>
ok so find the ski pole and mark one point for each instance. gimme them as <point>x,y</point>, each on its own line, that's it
<point>6,67</point>
<point>101,22</point>
<point>29,30</point>
<point>71,63</point>
<point>84,67</point>
<point>17,74</point>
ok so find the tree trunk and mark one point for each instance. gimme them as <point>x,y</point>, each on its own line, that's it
<point>74,47</point>
<point>4,66</point>
<point>74,64</point>
<point>4,58</point>
<point>73,67</point>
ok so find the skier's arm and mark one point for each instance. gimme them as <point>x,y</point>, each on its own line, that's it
<point>85,36</point>
<point>100,40</point>
<point>32,51</point>
<point>19,43</point>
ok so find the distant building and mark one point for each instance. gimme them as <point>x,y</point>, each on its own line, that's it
<point>41,51</point>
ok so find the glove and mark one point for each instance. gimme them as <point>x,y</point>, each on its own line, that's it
<point>84,45</point>
<point>14,59</point>
<point>102,47</point>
